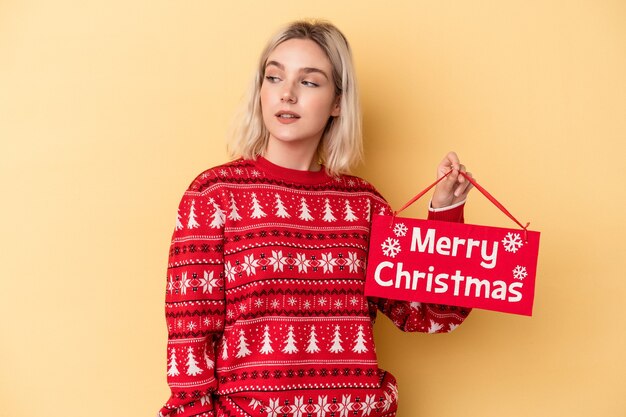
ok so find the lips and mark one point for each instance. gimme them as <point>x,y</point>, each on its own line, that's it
<point>287,115</point>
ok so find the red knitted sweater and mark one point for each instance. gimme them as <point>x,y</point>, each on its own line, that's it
<point>264,304</point>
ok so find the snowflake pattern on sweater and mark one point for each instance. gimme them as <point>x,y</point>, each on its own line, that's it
<point>265,309</point>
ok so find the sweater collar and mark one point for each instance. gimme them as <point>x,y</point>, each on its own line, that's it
<point>291,175</point>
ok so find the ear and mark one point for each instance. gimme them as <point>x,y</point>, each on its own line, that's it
<point>336,109</point>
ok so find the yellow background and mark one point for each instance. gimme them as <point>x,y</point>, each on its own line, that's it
<point>109,109</point>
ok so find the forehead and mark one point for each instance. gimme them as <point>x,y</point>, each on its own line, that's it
<point>300,53</point>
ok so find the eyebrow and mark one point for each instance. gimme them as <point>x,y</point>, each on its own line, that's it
<point>306,70</point>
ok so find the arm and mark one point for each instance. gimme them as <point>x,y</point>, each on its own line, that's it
<point>447,204</point>
<point>423,317</point>
<point>194,308</point>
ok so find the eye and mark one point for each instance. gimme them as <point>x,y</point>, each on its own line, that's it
<point>310,84</point>
<point>272,78</point>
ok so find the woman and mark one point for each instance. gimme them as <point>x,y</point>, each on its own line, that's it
<point>265,307</point>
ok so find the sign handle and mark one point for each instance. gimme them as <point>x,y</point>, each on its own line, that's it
<point>479,188</point>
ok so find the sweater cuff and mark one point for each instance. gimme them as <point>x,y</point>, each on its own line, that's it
<point>453,213</point>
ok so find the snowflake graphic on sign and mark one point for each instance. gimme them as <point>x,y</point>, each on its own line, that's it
<point>391,247</point>
<point>512,242</point>
<point>519,272</point>
<point>400,229</point>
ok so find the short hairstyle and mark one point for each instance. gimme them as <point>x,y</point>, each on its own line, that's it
<point>341,144</point>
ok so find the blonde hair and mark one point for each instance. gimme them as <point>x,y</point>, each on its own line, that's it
<point>341,145</point>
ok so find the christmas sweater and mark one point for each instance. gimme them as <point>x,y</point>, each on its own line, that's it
<point>265,305</point>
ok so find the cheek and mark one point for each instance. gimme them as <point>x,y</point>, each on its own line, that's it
<point>265,101</point>
<point>323,106</point>
<point>263,96</point>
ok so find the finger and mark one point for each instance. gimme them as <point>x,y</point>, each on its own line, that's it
<point>449,162</point>
<point>452,178</point>
<point>464,189</point>
<point>462,185</point>
<point>461,177</point>
<point>453,160</point>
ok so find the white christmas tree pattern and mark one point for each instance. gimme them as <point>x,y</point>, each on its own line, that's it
<point>281,211</point>
<point>234,211</point>
<point>257,210</point>
<point>243,345</point>
<point>391,247</point>
<point>434,327</point>
<point>209,362</point>
<point>266,349</point>
<point>224,348</point>
<point>391,396</point>
<point>205,399</point>
<point>368,209</point>
<point>350,217</point>
<point>254,403</point>
<point>400,229</point>
<point>191,222</point>
<point>290,343</point>
<point>192,363</point>
<point>172,369</point>
<point>219,217</point>
<point>312,347</point>
<point>415,305</point>
<point>512,242</point>
<point>359,346</point>
<point>305,214</point>
<point>519,272</point>
<point>179,224</point>
<point>336,346</point>
<point>328,212</point>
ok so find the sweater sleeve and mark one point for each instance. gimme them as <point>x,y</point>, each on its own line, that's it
<point>423,317</point>
<point>194,305</point>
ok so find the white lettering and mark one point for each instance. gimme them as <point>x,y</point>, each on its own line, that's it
<point>416,240</point>
<point>470,245</point>
<point>403,274</point>
<point>438,283</point>
<point>377,278</point>
<point>455,244</point>
<point>488,257</point>
<point>518,295</point>
<point>499,293</point>
<point>442,286</point>
<point>443,246</point>
<point>479,283</point>
<point>429,283</point>
<point>457,278</point>
<point>416,277</point>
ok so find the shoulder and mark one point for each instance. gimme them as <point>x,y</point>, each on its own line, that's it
<point>358,184</point>
<point>215,177</point>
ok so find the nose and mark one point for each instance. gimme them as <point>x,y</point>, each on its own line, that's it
<point>288,96</point>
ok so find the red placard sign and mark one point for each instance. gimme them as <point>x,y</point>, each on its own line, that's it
<point>453,263</point>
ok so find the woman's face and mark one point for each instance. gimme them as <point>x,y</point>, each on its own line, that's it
<point>298,93</point>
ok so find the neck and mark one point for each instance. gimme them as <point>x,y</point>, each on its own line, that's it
<point>292,155</point>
